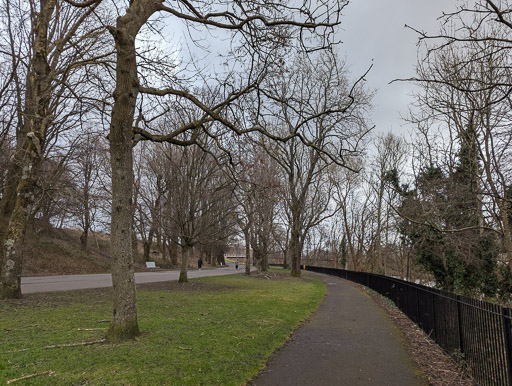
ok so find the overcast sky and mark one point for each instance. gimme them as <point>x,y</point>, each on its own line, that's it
<point>374,30</point>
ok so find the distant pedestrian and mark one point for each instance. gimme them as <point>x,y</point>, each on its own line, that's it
<point>200,263</point>
<point>236,264</point>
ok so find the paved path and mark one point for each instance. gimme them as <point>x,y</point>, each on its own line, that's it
<point>348,341</point>
<point>72,282</point>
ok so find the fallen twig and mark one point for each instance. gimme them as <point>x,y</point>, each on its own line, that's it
<point>13,351</point>
<point>91,329</point>
<point>103,320</point>
<point>76,344</point>
<point>50,372</point>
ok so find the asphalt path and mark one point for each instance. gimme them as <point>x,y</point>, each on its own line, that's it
<point>74,282</point>
<point>349,341</point>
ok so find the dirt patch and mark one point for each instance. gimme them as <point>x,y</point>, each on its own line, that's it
<point>438,367</point>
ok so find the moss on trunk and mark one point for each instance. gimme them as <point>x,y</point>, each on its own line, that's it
<point>120,331</point>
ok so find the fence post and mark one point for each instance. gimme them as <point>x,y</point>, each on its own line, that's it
<point>459,320</point>
<point>418,320</point>
<point>508,342</point>
<point>434,316</point>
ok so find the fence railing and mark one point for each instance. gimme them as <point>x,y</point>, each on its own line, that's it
<point>481,331</point>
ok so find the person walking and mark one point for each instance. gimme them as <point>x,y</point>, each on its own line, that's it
<point>200,263</point>
<point>236,264</point>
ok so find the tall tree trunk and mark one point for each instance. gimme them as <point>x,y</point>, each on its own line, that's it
<point>213,256</point>
<point>264,257</point>
<point>124,320</point>
<point>185,254</point>
<point>12,263</point>
<point>36,120</point>
<point>135,243</point>
<point>247,236</point>
<point>87,223</point>
<point>378,241</point>
<point>295,251</point>
<point>147,245</point>
<point>124,317</point>
<point>159,241</point>
<point>173,252</point>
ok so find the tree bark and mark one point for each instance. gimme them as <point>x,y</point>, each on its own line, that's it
<point>185,253</point>
<point>124,319</point>
<point>247,251</point>
<point>36,121</point>
<point>10,284</point>
<point>147,245</point>
<point>87,210</point>
<point>295,251</point>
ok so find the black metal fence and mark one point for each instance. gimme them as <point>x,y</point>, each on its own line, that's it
<point>481,331</point>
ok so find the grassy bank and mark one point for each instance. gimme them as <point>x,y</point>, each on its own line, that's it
<point>212,331</point>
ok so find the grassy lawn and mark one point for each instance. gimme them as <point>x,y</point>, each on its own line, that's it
<point>210,331</point>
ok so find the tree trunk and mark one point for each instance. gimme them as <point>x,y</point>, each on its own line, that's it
<point>378,242</point>
<point>159,242</point>
<point>135,243</point>
<point>124,319</point>
<point>84,240</point>
<point>12,262</point>
<point>173,252</point>
<point>213,256</point>
<point>247,251</point>
<point>185,253</point>
<point>147,248</point>
<point>220,258</point>
<point>87,216</point>
<point>147,245</point>
<point>36,120</point>
<point>264,259</point>
<point>295,251</point>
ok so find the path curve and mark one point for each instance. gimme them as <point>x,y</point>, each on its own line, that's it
<point>349,340</point>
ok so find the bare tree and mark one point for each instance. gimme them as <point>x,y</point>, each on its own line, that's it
<point>464,79</point>
<point>319,98</point>
<point>86,166</point>
<point>258,30</point>
<point>389,160</point>
<point>196,191</point>
<point>50,76</point>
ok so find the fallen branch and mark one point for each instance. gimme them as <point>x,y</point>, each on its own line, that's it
<point>50,372</point>
<point>76,344</point>
<point>91,329</point>
<point>103,320</point>
<point>13,351</point>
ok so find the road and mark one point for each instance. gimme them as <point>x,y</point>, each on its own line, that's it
<point>73,282</point>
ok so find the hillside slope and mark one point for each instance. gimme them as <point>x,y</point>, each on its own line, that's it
<point>57,252</point>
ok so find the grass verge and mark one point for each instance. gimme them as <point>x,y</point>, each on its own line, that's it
<point>217,330</point>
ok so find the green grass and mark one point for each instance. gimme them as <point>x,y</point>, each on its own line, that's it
<point>211,331</point>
